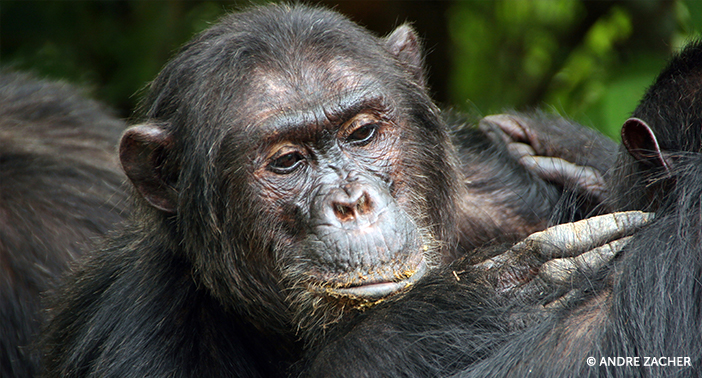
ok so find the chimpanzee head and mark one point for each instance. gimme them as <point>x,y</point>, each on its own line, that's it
<point>662,137</point>
<point>297,161</point>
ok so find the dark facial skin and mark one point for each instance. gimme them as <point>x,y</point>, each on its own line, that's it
<point>331,183</point>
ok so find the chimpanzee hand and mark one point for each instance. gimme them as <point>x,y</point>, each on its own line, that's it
<point>546,262</point>
<point>555,149</point>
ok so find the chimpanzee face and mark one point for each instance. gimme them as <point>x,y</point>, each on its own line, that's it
<point>304,168</point>
<point>328,168</point>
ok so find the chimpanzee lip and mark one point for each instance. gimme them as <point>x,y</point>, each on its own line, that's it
<point>380,289</point>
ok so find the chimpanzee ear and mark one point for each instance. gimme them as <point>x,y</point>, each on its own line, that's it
<point>639,140</point>
<point>404,44</point>
<point>144,151</point>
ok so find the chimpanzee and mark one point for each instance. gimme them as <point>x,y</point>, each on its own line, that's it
<point>60,186</point>
<point>293,172</point>
<point>637,317</point>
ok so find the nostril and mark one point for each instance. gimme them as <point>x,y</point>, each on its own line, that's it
<point>363,205</point>
<point>343,212</point>
<point>346,211</point>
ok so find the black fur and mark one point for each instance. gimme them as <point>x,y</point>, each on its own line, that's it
<point>60,187</point>
<point>217,272</point>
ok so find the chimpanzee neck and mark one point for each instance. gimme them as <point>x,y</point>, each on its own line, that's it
<point>224,340</point>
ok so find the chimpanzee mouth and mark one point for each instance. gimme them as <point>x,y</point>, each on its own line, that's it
<point>374,290</point>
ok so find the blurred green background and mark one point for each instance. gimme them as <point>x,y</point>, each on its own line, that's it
<point>589,60</point>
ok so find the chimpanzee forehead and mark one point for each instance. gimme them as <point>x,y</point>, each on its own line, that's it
<point>309,123</point>
<point>322,94</point>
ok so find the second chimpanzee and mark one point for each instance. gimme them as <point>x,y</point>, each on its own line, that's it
<point>293,172</point>
<point>638,317</point>
<point>60,187</point>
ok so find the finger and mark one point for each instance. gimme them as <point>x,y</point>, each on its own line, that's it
<point>507,123</point>
<point>520,150</point>
<point>561,271</point>
<point>585,179</point>
<point>563,301</point>
<point>571,239</point>
<point>514,129</point>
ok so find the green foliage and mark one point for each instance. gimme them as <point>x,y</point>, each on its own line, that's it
<point>591,61</point>
<point>505,49</point>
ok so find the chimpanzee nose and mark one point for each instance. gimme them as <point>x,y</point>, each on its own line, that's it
<point>352,203</point>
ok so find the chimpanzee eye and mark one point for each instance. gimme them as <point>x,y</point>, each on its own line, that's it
<point>286,163</point>
<point>363,135</point>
